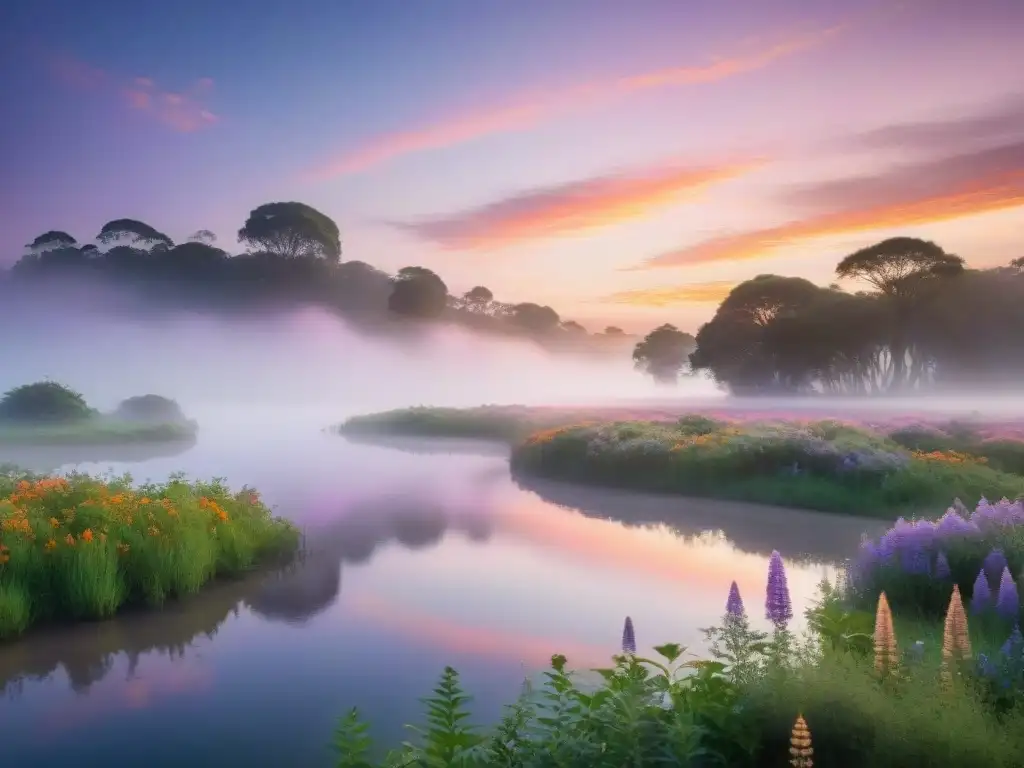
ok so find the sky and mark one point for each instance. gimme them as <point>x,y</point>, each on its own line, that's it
<point>625,163</point>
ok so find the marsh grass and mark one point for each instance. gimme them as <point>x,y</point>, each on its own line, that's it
<point>81,548</point>
<point>822,466</point>
<point>95,430</point>
<point>483,423</point>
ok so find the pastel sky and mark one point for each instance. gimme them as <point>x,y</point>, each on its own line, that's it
<point>624,162</point>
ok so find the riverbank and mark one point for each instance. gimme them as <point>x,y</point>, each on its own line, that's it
<point>97,430</point>
<point>825,466</point>
<point>862,687</point>
<point>81,548</point>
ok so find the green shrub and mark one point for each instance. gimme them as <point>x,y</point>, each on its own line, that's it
<point>152,409</point>
<point>694,424</point>
<point>81,548</point>
<point>44,402</point>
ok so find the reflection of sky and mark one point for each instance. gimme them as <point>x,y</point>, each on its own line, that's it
<point>547,580</point>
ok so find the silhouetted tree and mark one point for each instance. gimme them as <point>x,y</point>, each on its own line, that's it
<point>136,232</point>
<point>613,330</point>
<point>479,295</point>
<point>291,230</point>
<point>204,236</point>
<point>418,292</point>
<point>573,327</point>
<point>664,352</point>
<point>52,240</point>
<point>534,318</point>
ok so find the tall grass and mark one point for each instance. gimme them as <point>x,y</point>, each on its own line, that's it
<point>80,547</point>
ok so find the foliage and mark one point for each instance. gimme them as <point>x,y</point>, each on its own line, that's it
<point>150,409</point>
<point>136,232</point>
<point>755,702</point>
<point>292,230</point>
<point>52,240</point>
<point>664,352</point>
<point>534,318</point>
<point>81,548</point>
<point>820,466</point>
<point>418,292</point>
<point>957,437</point>
<point>484,423</point>
<point>45,402</point>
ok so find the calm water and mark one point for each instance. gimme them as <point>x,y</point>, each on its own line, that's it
<point>422,556</point>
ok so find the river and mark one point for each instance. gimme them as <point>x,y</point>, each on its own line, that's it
<point>421,555</point>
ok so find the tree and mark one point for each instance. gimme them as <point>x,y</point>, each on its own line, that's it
<point>573,327</point>
<point>292,230</point>
<point>136,232</point>
<point>204,236</point>
<point>479,295</point>
<point>905,271</point>
<point>614,330</point>
<point>53,240</point>
<point>534,318</point>
<point>418,292</point>
<point>664,352</point>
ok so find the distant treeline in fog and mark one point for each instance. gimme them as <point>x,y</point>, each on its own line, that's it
<point>924,321</point>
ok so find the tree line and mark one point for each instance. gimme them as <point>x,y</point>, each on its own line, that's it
<point>924,322</point>
<point>292,254</point>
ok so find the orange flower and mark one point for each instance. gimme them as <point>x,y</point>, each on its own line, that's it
<point>87,534</point>
<point>50,545</point>
<point>54,522</point>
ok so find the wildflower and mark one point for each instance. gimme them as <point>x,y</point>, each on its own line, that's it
<point>86,535</point>
<point>981,596</point>
<point>885,637</point>
<point>1014,645</point>
<point>5,554</point>
<point>994,563</point>
<point>942,566</point>
<point>1008,601</point>
<point>955,640</point>
<point>50,545</point>
<point>777,604</point>
<point>54,522</point>
<point>800,745</point>
<point>70,539</point>
<point>734,605</point>
<point>628,638</point>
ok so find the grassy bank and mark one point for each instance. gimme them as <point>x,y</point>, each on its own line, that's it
<point>96,430</point>
<point>50,413</point>
<point>857,689</point>
<point>81,548</point>
<point>824,465</point>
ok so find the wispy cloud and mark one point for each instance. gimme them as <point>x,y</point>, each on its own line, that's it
<point>692,293</point>
<point>571,207</point>
<point>907,195</point>
<point>184,111</point>
<point>534,109</point>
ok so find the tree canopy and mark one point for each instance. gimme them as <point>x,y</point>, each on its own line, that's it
<point>291,230</point>
<point>52,240</point>
<point>664,352</point>
<point>134,231</point>
<point>418,292</point>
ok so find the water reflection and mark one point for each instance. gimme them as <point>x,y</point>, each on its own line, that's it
<point>292,595</point>
<point>753,528</point>
<point>47,458</point>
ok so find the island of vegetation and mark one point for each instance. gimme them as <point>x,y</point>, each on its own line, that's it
<point>829,466</point>
<point>889,673</point>
<point>49,413</point>
<point>81,548</point>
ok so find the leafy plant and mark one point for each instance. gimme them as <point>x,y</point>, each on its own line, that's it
<point>44,402</point>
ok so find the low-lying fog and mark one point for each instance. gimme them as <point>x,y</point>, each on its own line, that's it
<point>311,358</point>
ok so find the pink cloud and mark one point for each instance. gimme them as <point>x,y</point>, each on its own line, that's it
<point>184,111</point>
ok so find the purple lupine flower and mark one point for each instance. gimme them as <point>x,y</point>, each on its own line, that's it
<point>1008,601</point>
<point>981,596</point>
<point>942,566</point>
<point>628,638</point>
<point>1013,648</point>
<point>995,562</point>
<point>734,605</point>
<point>777,606</point>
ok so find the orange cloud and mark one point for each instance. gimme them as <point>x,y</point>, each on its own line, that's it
<point>572,207</point>
<point>692,293</point>
<point>534,109</point>
<point>911,195</point>
<point>184,112</point>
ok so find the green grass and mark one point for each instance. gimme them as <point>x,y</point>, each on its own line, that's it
<point>81,548</point>
<point>803,465</point>
<point>97,430</point>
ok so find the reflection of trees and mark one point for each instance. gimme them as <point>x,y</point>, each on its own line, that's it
<point>751,528</point>
<point>293,594</point>
<point>46,458</point>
